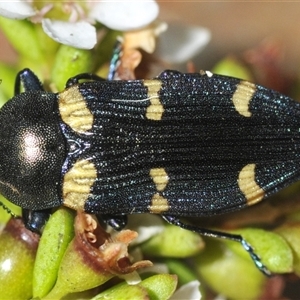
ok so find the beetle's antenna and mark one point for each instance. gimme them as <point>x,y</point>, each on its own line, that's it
<point>8,210</point>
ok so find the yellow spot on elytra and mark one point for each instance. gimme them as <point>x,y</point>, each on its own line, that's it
<point>242,97</point>
<point>160,178</point>
<point>159,204</point>
<point>155,110</point>
<point>74,111</point>
<point>247,184</point>
<point>77,183</point>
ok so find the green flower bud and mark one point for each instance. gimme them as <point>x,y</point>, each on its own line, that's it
<point>183,243</point>
<point>17,254</point>
<point>56,236</point>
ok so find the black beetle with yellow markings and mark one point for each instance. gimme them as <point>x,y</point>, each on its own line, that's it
<point>176,145</point>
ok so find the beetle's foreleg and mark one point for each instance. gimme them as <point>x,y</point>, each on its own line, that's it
<point>35,220</point>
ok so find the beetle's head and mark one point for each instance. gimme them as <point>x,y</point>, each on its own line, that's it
<point>32,151</point>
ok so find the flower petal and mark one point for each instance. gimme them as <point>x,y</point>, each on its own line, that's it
<point>125,15</point>
<point>81,35</point>
<point>188,291</point>
<point>181,43</point>
<point>16,10</point>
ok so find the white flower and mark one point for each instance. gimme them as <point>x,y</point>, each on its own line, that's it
<point>79,32</point>
<point>125,15</point>
<point>71,33</point>
<point>189,291</point>
<point>16,10</point>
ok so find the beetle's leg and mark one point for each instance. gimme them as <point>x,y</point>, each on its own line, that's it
<point>116,222</point>
<point>35,220</point>
<point>83,76</point>
<point>28,80</point>
<point>115,59</point>
<point>222,235</point>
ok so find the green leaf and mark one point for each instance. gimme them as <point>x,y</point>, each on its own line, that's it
<point>273,250</point>
<point>290,231</point>
<point>68,63</point>
<point>180,268</point>
<point>160,287</point>
<point>157,287</point>
<point>56,236</point>
<point>228,273</point>
<point>173,242</point>
<point>124,292</point>
<point>22,36</point>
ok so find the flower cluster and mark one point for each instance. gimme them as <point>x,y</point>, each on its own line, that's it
<point>78,29</point>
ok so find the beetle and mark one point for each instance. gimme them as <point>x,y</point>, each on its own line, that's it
<point>178,145</point>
